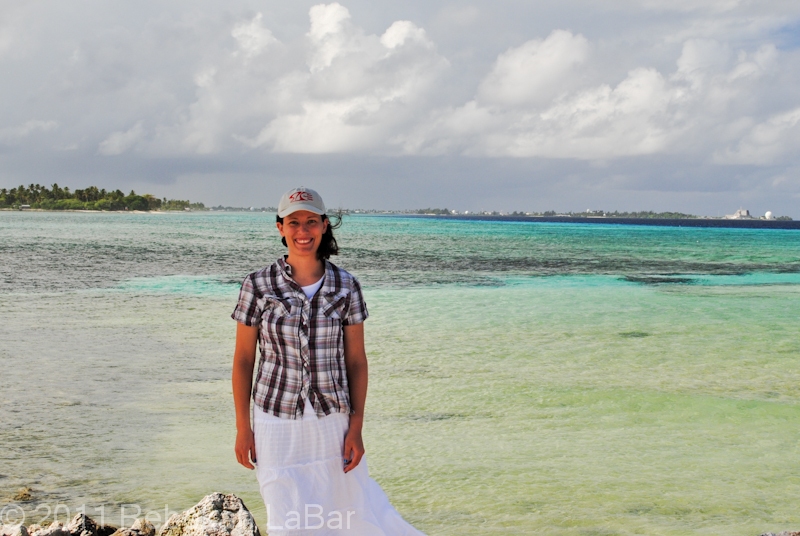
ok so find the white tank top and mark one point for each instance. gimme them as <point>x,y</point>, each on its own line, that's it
<point>312,289</point>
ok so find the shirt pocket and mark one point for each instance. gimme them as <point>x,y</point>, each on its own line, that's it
<point>272,307</point>
<point>333,305</point>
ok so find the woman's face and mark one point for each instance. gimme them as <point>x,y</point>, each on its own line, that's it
<point>303,232</point>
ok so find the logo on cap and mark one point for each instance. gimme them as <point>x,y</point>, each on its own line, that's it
<point>300,196</point>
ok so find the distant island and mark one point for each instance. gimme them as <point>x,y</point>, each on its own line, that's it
<point>36,196</point>
<point>740,214</point>
<point>553,213</point>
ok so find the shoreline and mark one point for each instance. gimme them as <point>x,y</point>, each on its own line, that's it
<point>217,513</point>
<point>654,222</point>
<point>87,211</point>
<point>603,220</point>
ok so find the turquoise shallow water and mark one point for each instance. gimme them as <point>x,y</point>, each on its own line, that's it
<point>525,378</point>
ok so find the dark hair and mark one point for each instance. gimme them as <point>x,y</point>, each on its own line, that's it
<point>328,245</point>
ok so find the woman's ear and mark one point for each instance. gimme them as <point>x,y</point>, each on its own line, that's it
<point>279,225</point>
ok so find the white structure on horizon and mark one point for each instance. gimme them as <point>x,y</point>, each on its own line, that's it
<point>741,214</point>
<point>768,215</point>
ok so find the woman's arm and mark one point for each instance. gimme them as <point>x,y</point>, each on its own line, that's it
<point>355,359</point>
<point>244,358</point>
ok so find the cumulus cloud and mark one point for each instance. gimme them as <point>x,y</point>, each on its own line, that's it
<point>710,81</point>
<point>768,142</point>
<point>358,89</point>
<point>701,58</point>
<point>121,141</point>
<point>534,72</point>
<point>602,122</point>
<point>253,38</point>
<point>26,129</point>
<point>532,104</point>
<point>338,88</point>
<point>762,62</point>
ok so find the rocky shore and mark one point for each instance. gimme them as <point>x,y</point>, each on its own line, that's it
<point>215,515</point>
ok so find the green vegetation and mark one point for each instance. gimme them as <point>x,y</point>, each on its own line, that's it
<point>91,198</point>
<point>438,211</point>
<point>642,214</point>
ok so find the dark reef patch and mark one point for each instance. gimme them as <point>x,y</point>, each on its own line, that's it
<point>634,334</point>
<point>658,280</point>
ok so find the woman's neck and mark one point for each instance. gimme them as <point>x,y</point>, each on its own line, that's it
<point>306,270</point>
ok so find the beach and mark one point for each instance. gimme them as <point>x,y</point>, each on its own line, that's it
<point>525,378</point>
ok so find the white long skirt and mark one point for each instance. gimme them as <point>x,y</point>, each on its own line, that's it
<point>303,484</point>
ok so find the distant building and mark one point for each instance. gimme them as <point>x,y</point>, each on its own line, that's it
<point>741,214</point>
<point>768,215</point>
<point>24,207</point>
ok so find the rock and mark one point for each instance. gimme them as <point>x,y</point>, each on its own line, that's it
<point>82,525</point>
<point>55,529</point>
<point>13,530</point>
<point>144,527</point>
<point>784,533</point>
<point>23,494</point>
<point>215,515</point>
<point>140,527</point>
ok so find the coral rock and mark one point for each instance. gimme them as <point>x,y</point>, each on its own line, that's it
<point>23,494</point>
<point>215,515</point>
<point>13,530</point>
<point>55,529</point>
<point>140,527</point>
<point>82,525</point>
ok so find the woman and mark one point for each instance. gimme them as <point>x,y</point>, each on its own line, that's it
<point>307,317</point>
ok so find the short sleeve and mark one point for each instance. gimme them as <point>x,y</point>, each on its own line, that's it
<point>357,309</point>
<point>247,310</point>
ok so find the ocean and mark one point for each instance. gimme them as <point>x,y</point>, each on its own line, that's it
<point>525,378</point>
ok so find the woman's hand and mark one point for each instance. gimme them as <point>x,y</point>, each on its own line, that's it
<point>244,357</point>
<point>245,448</point>
<point>355,360</point>
<point>353,448</point>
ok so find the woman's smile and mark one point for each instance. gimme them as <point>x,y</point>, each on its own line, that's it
<point>303,232</point>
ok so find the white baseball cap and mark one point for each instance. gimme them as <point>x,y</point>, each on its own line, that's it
<point>300,199</point>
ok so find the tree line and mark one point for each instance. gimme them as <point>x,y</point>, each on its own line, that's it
<point>91,198</point>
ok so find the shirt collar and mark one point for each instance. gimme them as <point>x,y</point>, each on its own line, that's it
<point>284,266</point>
<point>328,285</point>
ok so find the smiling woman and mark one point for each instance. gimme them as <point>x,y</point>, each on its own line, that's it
<point>307,315</point>
<point>303,222</point>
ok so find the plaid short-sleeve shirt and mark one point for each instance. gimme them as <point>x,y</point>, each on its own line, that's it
<point>301,340</point>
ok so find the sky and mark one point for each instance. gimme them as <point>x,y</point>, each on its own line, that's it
<point>665,105</point>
